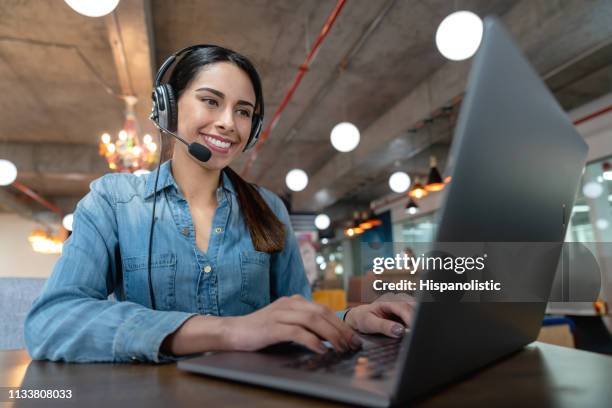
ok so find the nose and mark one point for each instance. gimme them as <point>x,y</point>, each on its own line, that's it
<point>225,120</point>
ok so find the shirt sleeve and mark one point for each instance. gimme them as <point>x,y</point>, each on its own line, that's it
<point>73,320</point>
<point>287,269</point>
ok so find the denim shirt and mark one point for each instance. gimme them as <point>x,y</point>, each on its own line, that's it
<point>75,320</point>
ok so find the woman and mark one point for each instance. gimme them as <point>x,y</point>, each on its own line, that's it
<point>225,268</point>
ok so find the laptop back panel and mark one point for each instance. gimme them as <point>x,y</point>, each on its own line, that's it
<point>515,162</point>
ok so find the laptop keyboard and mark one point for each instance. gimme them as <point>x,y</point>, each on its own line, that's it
<point>373,362</point>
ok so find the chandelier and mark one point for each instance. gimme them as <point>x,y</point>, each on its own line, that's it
<point>129,153</point>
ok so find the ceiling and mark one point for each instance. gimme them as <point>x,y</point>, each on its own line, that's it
<point>62,75</point>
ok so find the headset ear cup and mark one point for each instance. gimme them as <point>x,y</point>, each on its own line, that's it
<point>255,132</point>
<point>172,108</point>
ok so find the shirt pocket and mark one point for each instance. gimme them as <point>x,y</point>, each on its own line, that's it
<point>255,274</point>
<point>163,274</point>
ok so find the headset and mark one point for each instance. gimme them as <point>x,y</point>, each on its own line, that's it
<point>164,114</point>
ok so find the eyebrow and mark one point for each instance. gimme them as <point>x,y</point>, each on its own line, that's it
<point>222,95</point>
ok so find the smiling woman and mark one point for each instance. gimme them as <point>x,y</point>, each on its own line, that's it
<point>225,265</point>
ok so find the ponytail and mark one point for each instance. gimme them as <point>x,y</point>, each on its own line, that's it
<point>267,231</point>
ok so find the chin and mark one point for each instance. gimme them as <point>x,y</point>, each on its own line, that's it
<point>214,163</point>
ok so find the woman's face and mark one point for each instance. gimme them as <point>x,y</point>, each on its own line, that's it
<point>216,110</point>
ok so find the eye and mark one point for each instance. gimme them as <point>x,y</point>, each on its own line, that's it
<point>210,102</point>
<point>244,112</point>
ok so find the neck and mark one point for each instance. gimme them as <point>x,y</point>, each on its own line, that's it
<point>196,183</point>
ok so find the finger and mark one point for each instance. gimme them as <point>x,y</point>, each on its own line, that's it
<point>284,332</point>
<point>403,310</point>
<point>350,337</point>
<point>375,324</point>
<point>314,323</point>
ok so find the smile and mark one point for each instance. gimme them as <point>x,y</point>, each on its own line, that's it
<point>217,145</point>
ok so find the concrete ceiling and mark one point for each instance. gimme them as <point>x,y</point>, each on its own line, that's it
<point>62,75</point>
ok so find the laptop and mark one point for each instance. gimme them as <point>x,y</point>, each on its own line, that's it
<point>516,162</point>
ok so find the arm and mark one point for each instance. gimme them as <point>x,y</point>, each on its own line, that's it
<point>73,320</point>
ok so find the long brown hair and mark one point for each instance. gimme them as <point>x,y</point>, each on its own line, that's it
<point>267,231</point>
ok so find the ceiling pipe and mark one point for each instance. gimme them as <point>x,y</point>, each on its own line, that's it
<point>341,68</point>
<point>593,115</point>
<point>298,78</point>
<point>37,197</point>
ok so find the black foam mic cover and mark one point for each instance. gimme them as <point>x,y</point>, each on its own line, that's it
<point>199,151</point>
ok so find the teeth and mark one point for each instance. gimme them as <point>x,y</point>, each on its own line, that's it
<point>216,142</point>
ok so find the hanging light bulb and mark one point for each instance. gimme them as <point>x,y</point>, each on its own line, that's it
<point>345,137</point>
<point>434,182</point>
<point>67,221</point>
<point>322,221</point>
<point>92,8</point>
<point>399,182</point>
<point>592,189</point>
<point>106,138</point>
<point>459,35</point>
<point>418,191</point>
<point>296,180</point>
<point>412,207</point>
<point>8,172</point>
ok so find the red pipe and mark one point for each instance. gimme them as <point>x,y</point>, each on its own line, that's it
<point>593,115</point>
<point>36,197</point>
<point>298,78</point>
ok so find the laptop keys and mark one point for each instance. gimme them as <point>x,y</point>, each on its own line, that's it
<point>371,363</point>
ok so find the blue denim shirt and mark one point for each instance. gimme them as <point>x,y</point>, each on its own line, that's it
<point>74,319</point>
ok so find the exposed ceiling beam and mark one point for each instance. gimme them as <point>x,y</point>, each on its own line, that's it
<point>44,159</point>
<point>131,39</point>
<point>548,35</point>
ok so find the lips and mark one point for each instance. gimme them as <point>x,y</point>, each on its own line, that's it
<point>217,144</point>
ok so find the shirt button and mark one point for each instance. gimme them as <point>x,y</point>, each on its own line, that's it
<point>185,232</point>
<point>218,230</point>
<point>207,269</point>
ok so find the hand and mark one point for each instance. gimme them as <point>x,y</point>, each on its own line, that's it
<point>291,319</point>
<point>382,316</point>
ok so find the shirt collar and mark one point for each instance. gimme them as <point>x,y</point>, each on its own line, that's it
<point>166,180</point>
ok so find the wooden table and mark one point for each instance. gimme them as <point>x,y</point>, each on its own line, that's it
<point>541,375</point>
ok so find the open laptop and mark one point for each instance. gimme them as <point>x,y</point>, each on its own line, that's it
<point>515,162</point>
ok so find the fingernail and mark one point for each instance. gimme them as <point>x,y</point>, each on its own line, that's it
<point>356,342</point>
<point>322,349</point>
<point>397,330</point>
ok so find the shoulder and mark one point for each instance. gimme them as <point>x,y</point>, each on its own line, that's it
<point>275,203</point>
<point>118,187</point>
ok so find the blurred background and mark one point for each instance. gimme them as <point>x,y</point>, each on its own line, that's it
<point>361,103</point>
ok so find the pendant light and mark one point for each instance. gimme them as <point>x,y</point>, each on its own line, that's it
<point>434,181</point>
<point>418,191</point>
<point>8,172</point>
<point>412,207</point>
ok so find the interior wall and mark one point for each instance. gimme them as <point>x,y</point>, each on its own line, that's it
<point>17,259</point>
